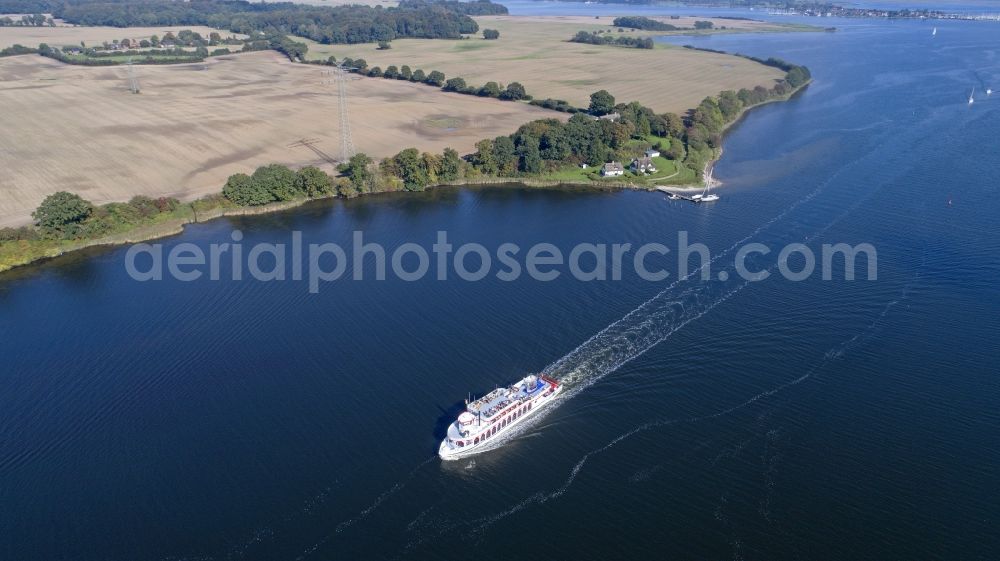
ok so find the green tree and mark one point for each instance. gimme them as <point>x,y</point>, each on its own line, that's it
<point>61,211</point>
<point>491,34</point>
<point>455,85</point>
<point>490,89</point>
<point>597,153</point>
<point>418,76</point>
<point>244,191</point>
<point>483,158</point>
<point>432,165</point>
<point>676,149</point>
<point>797,76</point>
<point>436,78</point>
<point>514,92</point>
<point>278,180</point>
<point>730,105</point>
<point>601,103</point>
<point>409,167</point>
<point>375,72</point>
<point>384,45</point>
<point>405,73</point>
<point>529,154</point>
<point>505,156</point>
<point>391,72</point>
<point>314,182</point>
<point>358,170</point>
<point>451,165</point>
<point>703,25</point>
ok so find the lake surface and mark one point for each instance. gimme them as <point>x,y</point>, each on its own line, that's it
<point>769,420</point>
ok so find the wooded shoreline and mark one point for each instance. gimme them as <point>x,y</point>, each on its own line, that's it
<point>188,213</point>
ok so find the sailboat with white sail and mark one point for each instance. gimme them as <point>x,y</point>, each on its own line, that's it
<point>707,196</point>
<point>972,96</point>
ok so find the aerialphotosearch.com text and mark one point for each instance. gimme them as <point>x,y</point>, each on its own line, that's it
<point>361,260</point>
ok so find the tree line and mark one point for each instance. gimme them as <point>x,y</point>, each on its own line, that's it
<point>549,144</point>
<point>536,147</point>
<point>325,24</point>
<point>713,114</point>
<point>67,216</point>
<point>472,8</point>
<point>294,50</point>
<point>17,49</point>
<point>163,56</point>
<point>649,24</point>
<point>596,38</point>
<point>28,20</point>
<point>512,92</point>
<point>642,22</point>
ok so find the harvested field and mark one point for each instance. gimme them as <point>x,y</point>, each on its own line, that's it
<point>534,50</point>
<point>79,129</point>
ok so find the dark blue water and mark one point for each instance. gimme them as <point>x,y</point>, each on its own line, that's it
<point>770,420</point>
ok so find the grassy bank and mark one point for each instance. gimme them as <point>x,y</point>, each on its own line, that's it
<point>23,252</point>
<point>18,253</point>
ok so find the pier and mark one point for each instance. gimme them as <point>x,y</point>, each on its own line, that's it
<point>676,196</point>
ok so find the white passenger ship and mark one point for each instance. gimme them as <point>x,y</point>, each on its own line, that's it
<point>496,413</point>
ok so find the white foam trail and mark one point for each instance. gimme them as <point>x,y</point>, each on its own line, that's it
<point>365,512</point>
<point>656,319</point>
<point>833,354</point>
<point>585,362</point>
<point>628,338</point>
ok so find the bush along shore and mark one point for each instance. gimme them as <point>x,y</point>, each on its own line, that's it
<point>545,152</point>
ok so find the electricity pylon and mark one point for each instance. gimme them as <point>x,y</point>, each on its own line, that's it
<point>346,144</point>
<point>133,82</point>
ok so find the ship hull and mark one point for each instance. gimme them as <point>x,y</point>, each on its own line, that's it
<point>448,451</point>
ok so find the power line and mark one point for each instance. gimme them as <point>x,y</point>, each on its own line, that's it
<point>346,143</point>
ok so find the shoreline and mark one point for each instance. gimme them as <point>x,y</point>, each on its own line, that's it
<point>173,226</point>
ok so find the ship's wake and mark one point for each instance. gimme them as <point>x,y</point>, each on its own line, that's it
<point>476,527</point>
<point>637,332</point>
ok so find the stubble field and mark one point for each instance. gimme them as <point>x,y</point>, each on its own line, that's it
<point>79,129</point>
<point>534,51</point>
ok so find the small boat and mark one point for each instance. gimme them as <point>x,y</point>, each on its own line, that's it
<point>989,91</point>
<point>707,196</point>
<point>673,196</point>
<point>933,33</point>
<point>972,98</point>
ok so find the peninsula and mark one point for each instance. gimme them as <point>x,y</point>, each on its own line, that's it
<point>491,98</point>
